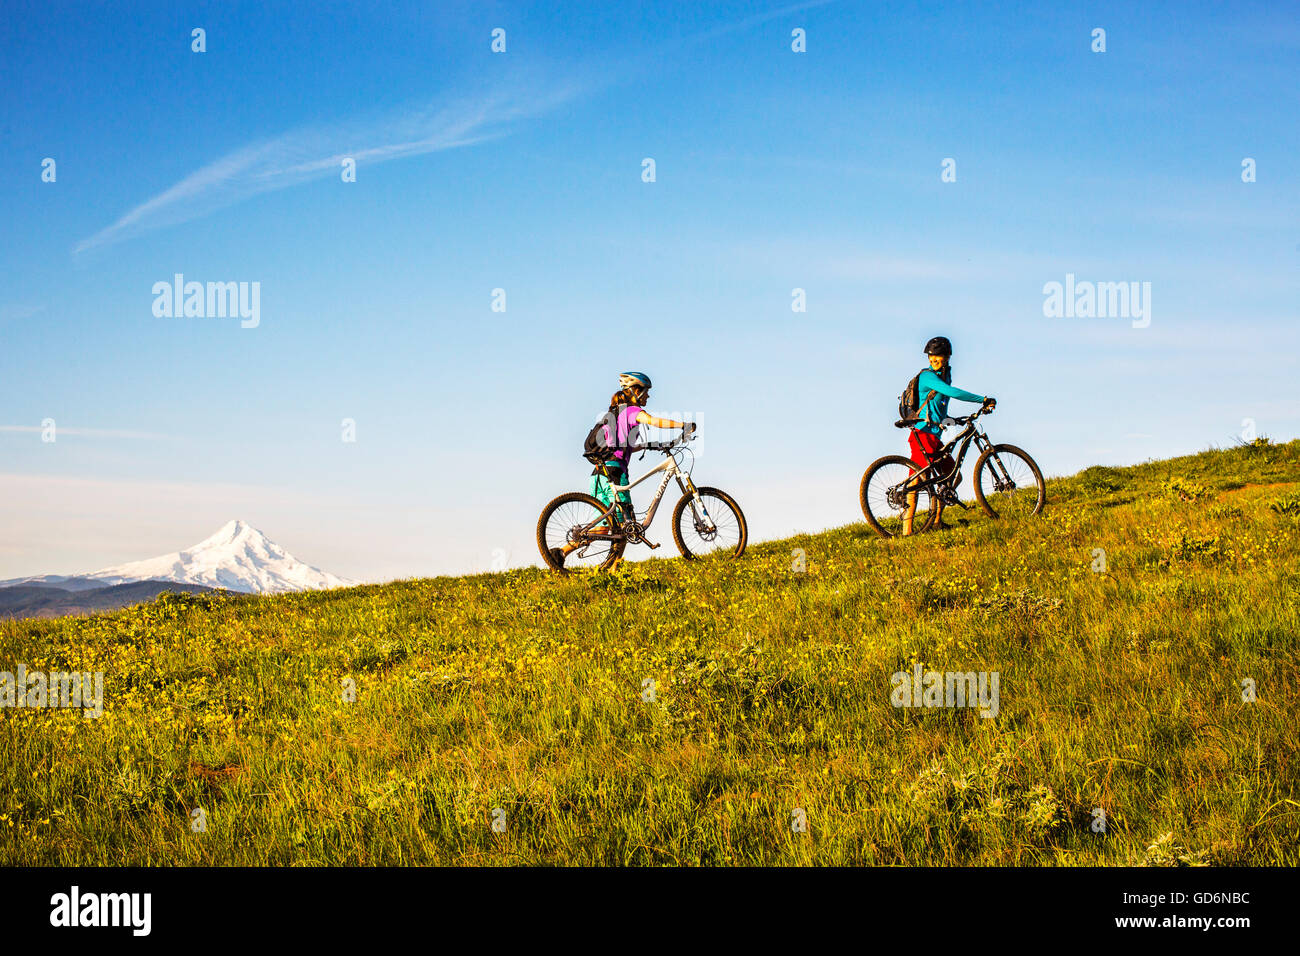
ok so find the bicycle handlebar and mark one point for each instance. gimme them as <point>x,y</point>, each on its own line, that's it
<point>681,439</point>
<point>967,419</point>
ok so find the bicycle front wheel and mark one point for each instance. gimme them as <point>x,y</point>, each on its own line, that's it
<point>887,495</point>
<point>566,524</point>
<point>1008,483</point>
<point>714,524</point>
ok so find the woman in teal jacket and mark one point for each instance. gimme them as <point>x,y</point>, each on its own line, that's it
<point>934,387</point>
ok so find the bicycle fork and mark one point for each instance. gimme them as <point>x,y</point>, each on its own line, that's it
<point>1002,480</point>
<point>703,523</point>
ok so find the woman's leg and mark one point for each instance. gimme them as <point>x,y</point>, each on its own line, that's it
<point>602,485</point>
<point>619,476</point>
<point>916,446</point>
<point>599,488</point>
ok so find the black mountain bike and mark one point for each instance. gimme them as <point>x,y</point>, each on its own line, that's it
<point>1008,483</point>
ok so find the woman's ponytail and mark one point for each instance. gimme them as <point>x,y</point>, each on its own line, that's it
<point>625,396</point>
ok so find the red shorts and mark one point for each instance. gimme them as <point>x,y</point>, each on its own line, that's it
<point>925,445</point>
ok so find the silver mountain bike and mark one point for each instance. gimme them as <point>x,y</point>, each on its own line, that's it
<point>577,531</point>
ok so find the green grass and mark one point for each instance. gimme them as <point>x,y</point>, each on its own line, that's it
<point>1119,689</point>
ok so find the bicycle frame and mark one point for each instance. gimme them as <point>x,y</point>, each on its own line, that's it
<point>928,479</point>
<point>670,470</point>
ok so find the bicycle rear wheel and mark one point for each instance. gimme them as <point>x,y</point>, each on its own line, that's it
<point>1008,483</point>
<point>564,522</point>
<point>884,497</point>
<point>713,525</point>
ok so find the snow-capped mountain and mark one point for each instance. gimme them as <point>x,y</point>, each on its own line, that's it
<point>238,557</point>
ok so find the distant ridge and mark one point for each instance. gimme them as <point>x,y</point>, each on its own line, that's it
<point>42,600</point>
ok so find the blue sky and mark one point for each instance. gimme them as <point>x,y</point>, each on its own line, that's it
<point>522,170</point>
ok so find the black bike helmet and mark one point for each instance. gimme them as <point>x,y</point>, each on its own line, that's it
<point>938,346</point>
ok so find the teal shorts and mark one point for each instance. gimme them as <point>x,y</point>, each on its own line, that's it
<point>601,489</point>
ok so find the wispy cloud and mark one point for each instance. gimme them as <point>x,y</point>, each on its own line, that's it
<point>845,259</point>
<point>308,153</point>
<point>20,313</point>
<point>757,18</point>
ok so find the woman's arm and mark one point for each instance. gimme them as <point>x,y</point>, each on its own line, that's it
<point>645,418</point>
<point>930,381</point>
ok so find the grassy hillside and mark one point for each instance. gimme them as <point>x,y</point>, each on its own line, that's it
<point>523,691</point>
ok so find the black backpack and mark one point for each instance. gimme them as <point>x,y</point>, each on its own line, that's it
<point>597,449</point>
<point>909,403</point>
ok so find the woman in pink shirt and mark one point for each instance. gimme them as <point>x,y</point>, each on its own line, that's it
<point>628,404</point>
